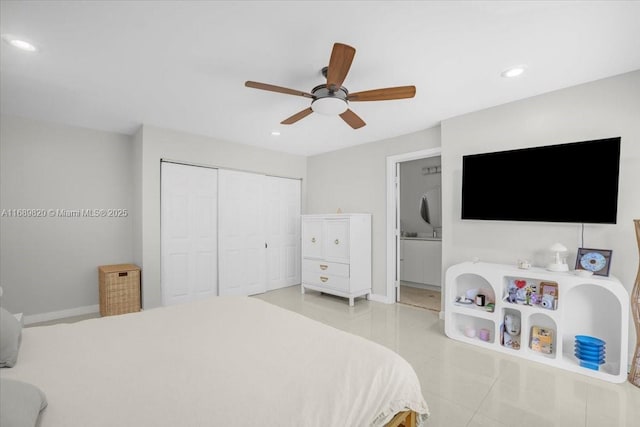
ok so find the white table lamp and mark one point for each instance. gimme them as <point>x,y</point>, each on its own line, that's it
<point>559,262</point>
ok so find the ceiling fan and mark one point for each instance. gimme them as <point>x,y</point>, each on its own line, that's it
<point>333,98</point>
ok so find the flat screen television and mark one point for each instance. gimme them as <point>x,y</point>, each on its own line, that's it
<point>576,182</point>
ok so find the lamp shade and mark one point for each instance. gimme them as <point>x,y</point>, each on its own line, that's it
<point>558,247</point>
<point>558,263</point>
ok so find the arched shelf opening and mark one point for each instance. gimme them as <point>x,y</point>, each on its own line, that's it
<point>595,311</point>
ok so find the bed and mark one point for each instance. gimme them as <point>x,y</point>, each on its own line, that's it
<point>233,361</point>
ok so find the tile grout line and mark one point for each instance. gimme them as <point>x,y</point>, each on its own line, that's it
<point>482,401</point>
<point>586,402</point>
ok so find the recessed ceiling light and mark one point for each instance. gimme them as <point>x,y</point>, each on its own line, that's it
<point>275,133</point>
<point>514,71</point>
<point>19,43</point>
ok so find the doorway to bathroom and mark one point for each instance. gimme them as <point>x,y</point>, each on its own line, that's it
<point>414,229</point>
<point>420,204</point>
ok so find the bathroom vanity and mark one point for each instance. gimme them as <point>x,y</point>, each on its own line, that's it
<point>421,260</point>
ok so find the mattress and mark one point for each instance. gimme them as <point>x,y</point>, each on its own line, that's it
<point>221,361</point>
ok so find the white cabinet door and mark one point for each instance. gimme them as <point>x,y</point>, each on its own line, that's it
<point>433,263</point>
<point>242,237</point>
<point>188,236</point>
<point>336,239</point>
<point>413,256</point>
<point>422,262</point>
<point>283,232</point>
<point>312,238</point>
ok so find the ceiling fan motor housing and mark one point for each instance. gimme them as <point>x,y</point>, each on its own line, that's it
<point>329,102</point>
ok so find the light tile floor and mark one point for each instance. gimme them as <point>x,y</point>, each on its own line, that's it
<point>468,386</point>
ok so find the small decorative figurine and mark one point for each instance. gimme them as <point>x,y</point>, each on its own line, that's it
<point>511,338</point>
<point>512,289</point>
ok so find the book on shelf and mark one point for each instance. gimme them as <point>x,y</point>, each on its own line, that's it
<point>542,339</point>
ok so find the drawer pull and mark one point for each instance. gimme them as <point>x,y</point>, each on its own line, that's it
<point>123,274</point>
<point>337,242</point>
<point>324,279</point>
<point>313,240</point>
<point>323,267</point>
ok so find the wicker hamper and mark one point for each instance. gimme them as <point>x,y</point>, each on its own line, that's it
<point>119,289</point>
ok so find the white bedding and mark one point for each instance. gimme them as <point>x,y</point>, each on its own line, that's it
<point>224,361</point>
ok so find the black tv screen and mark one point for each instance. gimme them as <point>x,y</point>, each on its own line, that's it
<point>576,182</point>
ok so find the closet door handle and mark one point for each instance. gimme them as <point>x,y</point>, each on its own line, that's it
<point>313,240</point>
<point>337,242</point>
<point>324,279</point>
<point>323,267</point>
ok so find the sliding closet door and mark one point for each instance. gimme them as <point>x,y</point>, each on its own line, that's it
<point>241,233</point>
<point>283,232</point>
<point>189,256</point>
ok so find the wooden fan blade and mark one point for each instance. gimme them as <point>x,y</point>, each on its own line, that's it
<point>352,119</point>
<point>279,89</point>
<point>339,64</point>
<point>385,94</point>
<point>297,116</point>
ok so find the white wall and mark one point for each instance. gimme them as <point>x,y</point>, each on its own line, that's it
<point>50,264</point>
<point>166,144</point>
<point>600,109</point>
<point>413,185</point>
<point>354,180</point>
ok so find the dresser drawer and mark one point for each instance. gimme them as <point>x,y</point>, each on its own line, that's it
<point>321,267</point>
<point>326,280</point>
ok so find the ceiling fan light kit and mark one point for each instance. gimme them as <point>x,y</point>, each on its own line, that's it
<point>332,98</point>
<point>329,102</point>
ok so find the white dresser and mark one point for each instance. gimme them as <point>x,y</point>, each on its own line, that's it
<point>336,254</point>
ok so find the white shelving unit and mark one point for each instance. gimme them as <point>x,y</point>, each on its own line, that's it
<point>595,306</point>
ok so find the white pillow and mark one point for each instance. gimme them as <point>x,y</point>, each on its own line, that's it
<point>21,403</point>
<point>10,336</point>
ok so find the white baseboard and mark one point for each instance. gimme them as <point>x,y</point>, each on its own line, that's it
<point>54,315</point>
<point>380,298</point>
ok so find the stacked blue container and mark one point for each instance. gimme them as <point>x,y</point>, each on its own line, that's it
<point>590,351</point>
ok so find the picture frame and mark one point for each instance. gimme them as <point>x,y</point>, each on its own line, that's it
<point>598,261</point>
<point>549,289</point>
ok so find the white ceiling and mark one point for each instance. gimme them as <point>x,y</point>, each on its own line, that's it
<point>182,65</point>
